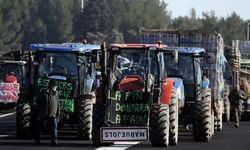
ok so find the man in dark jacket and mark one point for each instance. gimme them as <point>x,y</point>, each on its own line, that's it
<point>48,109</point>
<point>235,97</point>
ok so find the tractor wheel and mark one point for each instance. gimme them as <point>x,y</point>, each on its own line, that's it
<point>212,123</point>
<point>159,125</point>
<point>173,119</point>
<point>202,118</point>
<point>219,120</point>
<point>23,120</point>
<point>98,122</point>
<point>85,110</point>
<point>226,115</point>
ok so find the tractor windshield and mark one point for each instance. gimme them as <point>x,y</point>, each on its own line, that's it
<point>184,67</point>
<point>6,68</point>
<point>57,65</point>
<point>136,62</point>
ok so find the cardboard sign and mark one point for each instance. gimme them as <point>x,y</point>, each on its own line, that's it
<point>9,92</point>
<point>128,108</point>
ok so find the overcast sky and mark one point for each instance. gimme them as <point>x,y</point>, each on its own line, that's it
<point>222,8</point>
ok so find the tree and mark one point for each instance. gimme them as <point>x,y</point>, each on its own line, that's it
<point>10,26</point>
<point>187,22</point>
<point>232,28</point>
<point>97,17</point>
<point>210,21</point>
<point>58,19</point>
<point>137,14</point>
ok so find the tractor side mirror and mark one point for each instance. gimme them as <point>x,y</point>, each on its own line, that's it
<point>210,58</point>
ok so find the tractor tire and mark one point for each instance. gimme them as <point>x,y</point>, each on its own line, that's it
<point>212,123</point>
<point>85,113</point>
<point>23,120</point>
<point>173,119</point>
<point>202,118</point>
<point>219,120</point>
<point>159,125</point>
<point>226,115</point>
<point>98,122</point>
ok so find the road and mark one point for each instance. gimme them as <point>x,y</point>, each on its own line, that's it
<point>230,138</point>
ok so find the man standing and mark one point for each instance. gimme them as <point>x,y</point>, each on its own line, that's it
<point>235,97</point>
<point>48,109</point>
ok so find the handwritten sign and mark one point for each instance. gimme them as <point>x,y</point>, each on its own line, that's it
<point>9,92</point>
<point>128,108</point>
<point>65,92</point>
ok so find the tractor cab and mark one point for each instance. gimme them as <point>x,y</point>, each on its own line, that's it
<point>188,68</point>
<point>135,68</point>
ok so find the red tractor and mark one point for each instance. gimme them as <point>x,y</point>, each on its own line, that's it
<point>134,96</point>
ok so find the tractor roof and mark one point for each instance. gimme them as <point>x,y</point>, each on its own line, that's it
<point>65,47</point>
<point>186,50</point>
<point>12,62</point>
<point>138,46</point>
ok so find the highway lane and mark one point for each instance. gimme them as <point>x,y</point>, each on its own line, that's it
<point>230,138</point>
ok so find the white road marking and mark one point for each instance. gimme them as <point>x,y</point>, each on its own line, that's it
<point>118,146</point>
<point>2,136</point>
<point>5,115</point>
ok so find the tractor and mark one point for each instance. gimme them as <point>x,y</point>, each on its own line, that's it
<point>197,107</point>
<point>13,64</point>
<point>10,92</point>
<point>213,44</point>
<point>134,97</point>
<point>73,66</point>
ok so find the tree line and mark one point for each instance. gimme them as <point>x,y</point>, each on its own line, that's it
<point>55,21</point>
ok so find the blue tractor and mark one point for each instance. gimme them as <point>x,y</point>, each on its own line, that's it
<point>73,66</point>
<point>197,107</point>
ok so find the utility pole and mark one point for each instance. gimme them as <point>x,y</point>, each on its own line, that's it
<point>82,5</point>
<point>248,24</point>
<point>45,33</point>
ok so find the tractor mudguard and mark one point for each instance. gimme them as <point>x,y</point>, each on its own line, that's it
<point>167,87</point>
<point>179,86</point>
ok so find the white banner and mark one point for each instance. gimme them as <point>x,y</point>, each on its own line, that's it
<point>9,92</point>
<point>109,134</point>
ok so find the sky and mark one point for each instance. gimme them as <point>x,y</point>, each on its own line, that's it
<point>222,8</point>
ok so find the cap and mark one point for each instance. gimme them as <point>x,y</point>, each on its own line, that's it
<point>53,83</point>
<point>11,73</point>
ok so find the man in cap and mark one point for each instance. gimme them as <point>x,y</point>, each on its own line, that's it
<point>48,109</point>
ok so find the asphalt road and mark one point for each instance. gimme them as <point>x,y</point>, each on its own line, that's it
<point>230,138</point>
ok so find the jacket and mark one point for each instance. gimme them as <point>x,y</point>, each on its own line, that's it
<point>235,96</point>
<point>48,104</point>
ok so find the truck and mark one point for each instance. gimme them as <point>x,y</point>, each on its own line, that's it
<point>135,100</point>
<point>213,44</point>
<point>72,65</point>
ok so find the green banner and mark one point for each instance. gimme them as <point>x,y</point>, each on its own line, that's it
<point>65,92</point>
<point>128,108</point>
